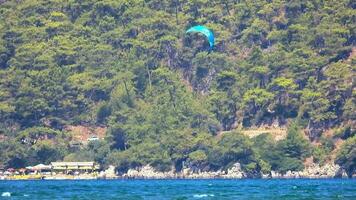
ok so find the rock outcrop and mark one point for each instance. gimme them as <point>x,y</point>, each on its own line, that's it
<point>108,173</point>
<point>150,173</point>
<point>235,172</point>
<point>313,171</point>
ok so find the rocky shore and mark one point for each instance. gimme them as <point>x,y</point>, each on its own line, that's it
<point>235,172</point>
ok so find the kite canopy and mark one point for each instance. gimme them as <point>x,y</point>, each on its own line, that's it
<point>207,32</point>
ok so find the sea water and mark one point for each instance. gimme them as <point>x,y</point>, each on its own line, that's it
<point>181,189</point>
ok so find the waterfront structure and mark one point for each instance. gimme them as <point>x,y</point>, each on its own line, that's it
<point>74,167</point>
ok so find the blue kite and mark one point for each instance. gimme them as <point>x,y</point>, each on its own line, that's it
<point>207,32</point>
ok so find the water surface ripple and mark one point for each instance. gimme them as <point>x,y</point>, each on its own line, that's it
<point>181,189</point>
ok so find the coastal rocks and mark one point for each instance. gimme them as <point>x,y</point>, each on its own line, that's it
<point>202,174</point>
<point>342,174</point>
<point>108,173</point>
<point>316,171</point>
<point>292,174</point>
<point>265,176</point>
<point>275,175</point>
<point>235,172</point>
<point>313,171</point>
<point>148,172</point>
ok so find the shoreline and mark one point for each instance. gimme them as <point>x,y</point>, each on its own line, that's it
<point>329,171</point>
<point>142,178</point>
<point>89,177</point>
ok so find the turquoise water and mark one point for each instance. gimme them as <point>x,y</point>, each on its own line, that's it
<point>181,189</point>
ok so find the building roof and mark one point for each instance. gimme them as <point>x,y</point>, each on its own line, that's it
<point>74,165</point>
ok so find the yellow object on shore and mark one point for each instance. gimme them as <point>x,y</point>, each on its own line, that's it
<point>53,177</point>
<point>25,177</point>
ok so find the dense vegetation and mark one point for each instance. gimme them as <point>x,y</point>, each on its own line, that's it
<point>127,65</point>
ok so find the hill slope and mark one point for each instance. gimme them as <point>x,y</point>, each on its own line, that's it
<point>128,66</point>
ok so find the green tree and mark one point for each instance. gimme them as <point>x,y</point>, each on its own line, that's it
<point>346,156</point>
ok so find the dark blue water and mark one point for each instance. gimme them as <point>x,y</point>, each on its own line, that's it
<point>181,189</point>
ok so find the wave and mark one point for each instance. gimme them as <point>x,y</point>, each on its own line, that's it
<point>203,195</point>
<point>6,194</point>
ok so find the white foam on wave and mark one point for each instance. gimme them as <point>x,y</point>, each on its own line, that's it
<point>6,194</point>
<point>203,195</point>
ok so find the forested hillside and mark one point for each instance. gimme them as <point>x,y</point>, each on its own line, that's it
<point>128,66</point>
